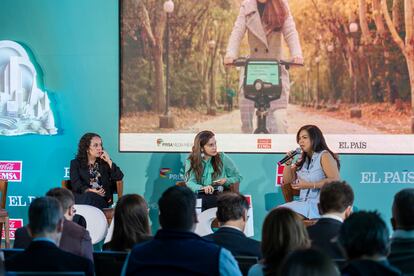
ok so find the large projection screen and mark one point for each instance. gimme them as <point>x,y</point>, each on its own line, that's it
<point>354,85</point>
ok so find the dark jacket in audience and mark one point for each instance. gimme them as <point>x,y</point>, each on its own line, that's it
<point>402,254</point>
<point>75,239</point>
<point>42,255</point>
<point>367,268</point>
<point>108,246</point>
<point>174,253</point>
<point>78,219</point>
<point>236,242</point>
<point>322,233</point>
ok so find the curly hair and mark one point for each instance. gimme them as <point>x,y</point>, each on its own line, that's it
<point>83,146</point>
<point>195,158</point>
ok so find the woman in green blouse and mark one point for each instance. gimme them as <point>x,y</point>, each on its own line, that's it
<point>206,167</point>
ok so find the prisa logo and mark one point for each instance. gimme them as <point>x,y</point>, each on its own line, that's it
<point>164,172</point>
<point>159,141</point>
<point>11,170</point>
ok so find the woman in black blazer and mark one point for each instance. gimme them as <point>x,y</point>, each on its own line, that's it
<point>93,174</point>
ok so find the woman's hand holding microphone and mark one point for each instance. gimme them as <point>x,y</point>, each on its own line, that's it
<point>210,189</point>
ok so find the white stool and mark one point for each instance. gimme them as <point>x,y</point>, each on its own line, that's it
<point>96,222</point>
<point>108,237</point>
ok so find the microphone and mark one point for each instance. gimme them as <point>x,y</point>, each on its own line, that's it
<point>218,188</point>
<point>288,157</point>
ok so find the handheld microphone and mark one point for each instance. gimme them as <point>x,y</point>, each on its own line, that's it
<point>288,157</point>
<point>216,189</point>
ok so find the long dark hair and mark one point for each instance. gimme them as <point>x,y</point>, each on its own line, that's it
<point>131,223</point>
<point>308,262</point>
<point>318,143</point>
<point>283,231</point>
<point>83,146</point>
<point>195,158</point>
<point>274,15</point>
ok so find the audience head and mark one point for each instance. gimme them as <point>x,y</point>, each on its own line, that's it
<point>232,209</point>
<point>131,223</point>
<point>283,231</point>
<point>66,199</point>
<point>364,234</point>
<point>336,197</point>
<point>46,218</point>
<point>308,262</point>
<point>177,209</point>
<point>90,147</point>
<point>204,147</point>
<point>403,210</point>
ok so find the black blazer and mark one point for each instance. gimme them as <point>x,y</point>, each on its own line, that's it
<point>236,242</point>
<point>46,256</point>
<point>360,267</point>
<point>79,177</point>
<point>322,233</point>
<point>402,254</point>
<point>75,239</point>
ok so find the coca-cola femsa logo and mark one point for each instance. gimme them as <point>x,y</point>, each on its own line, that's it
<point>14,224</point>
<point>11,170</point>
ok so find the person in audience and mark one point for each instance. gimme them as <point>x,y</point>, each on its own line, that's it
<point>131,223</point>
<point>46,225</point>
<point>317,166</point>
<point>283,231</point>
<point>335,205</point>
<point>365,239</point>
<point>92,173</point>
<point>232,211</point>
<point>175,249</point>
<point>75,238</point>
<point>402,242</point>
<point>2,270</point>
<point>308,262</point>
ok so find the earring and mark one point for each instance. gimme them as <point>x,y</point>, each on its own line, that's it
<point>202,154</point>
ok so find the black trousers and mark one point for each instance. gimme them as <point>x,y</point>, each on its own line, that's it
<point>208,200</point>
<point>93,199</point>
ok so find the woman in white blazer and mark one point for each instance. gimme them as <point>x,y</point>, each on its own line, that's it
<point>266,21</point>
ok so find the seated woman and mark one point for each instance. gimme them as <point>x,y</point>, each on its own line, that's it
<point>308,262</point>
<point>206,167</point>
<point>317,166</point>
<point>131,223</point>
<point>283,232</point>
<point>92,173</point>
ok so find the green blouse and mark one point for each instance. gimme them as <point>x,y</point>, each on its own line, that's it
<point>229,171</point>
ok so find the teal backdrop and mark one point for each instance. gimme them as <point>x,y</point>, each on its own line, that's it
<point>75,43</point>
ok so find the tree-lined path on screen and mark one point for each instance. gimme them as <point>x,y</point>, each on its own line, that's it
<point>297,116</point>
